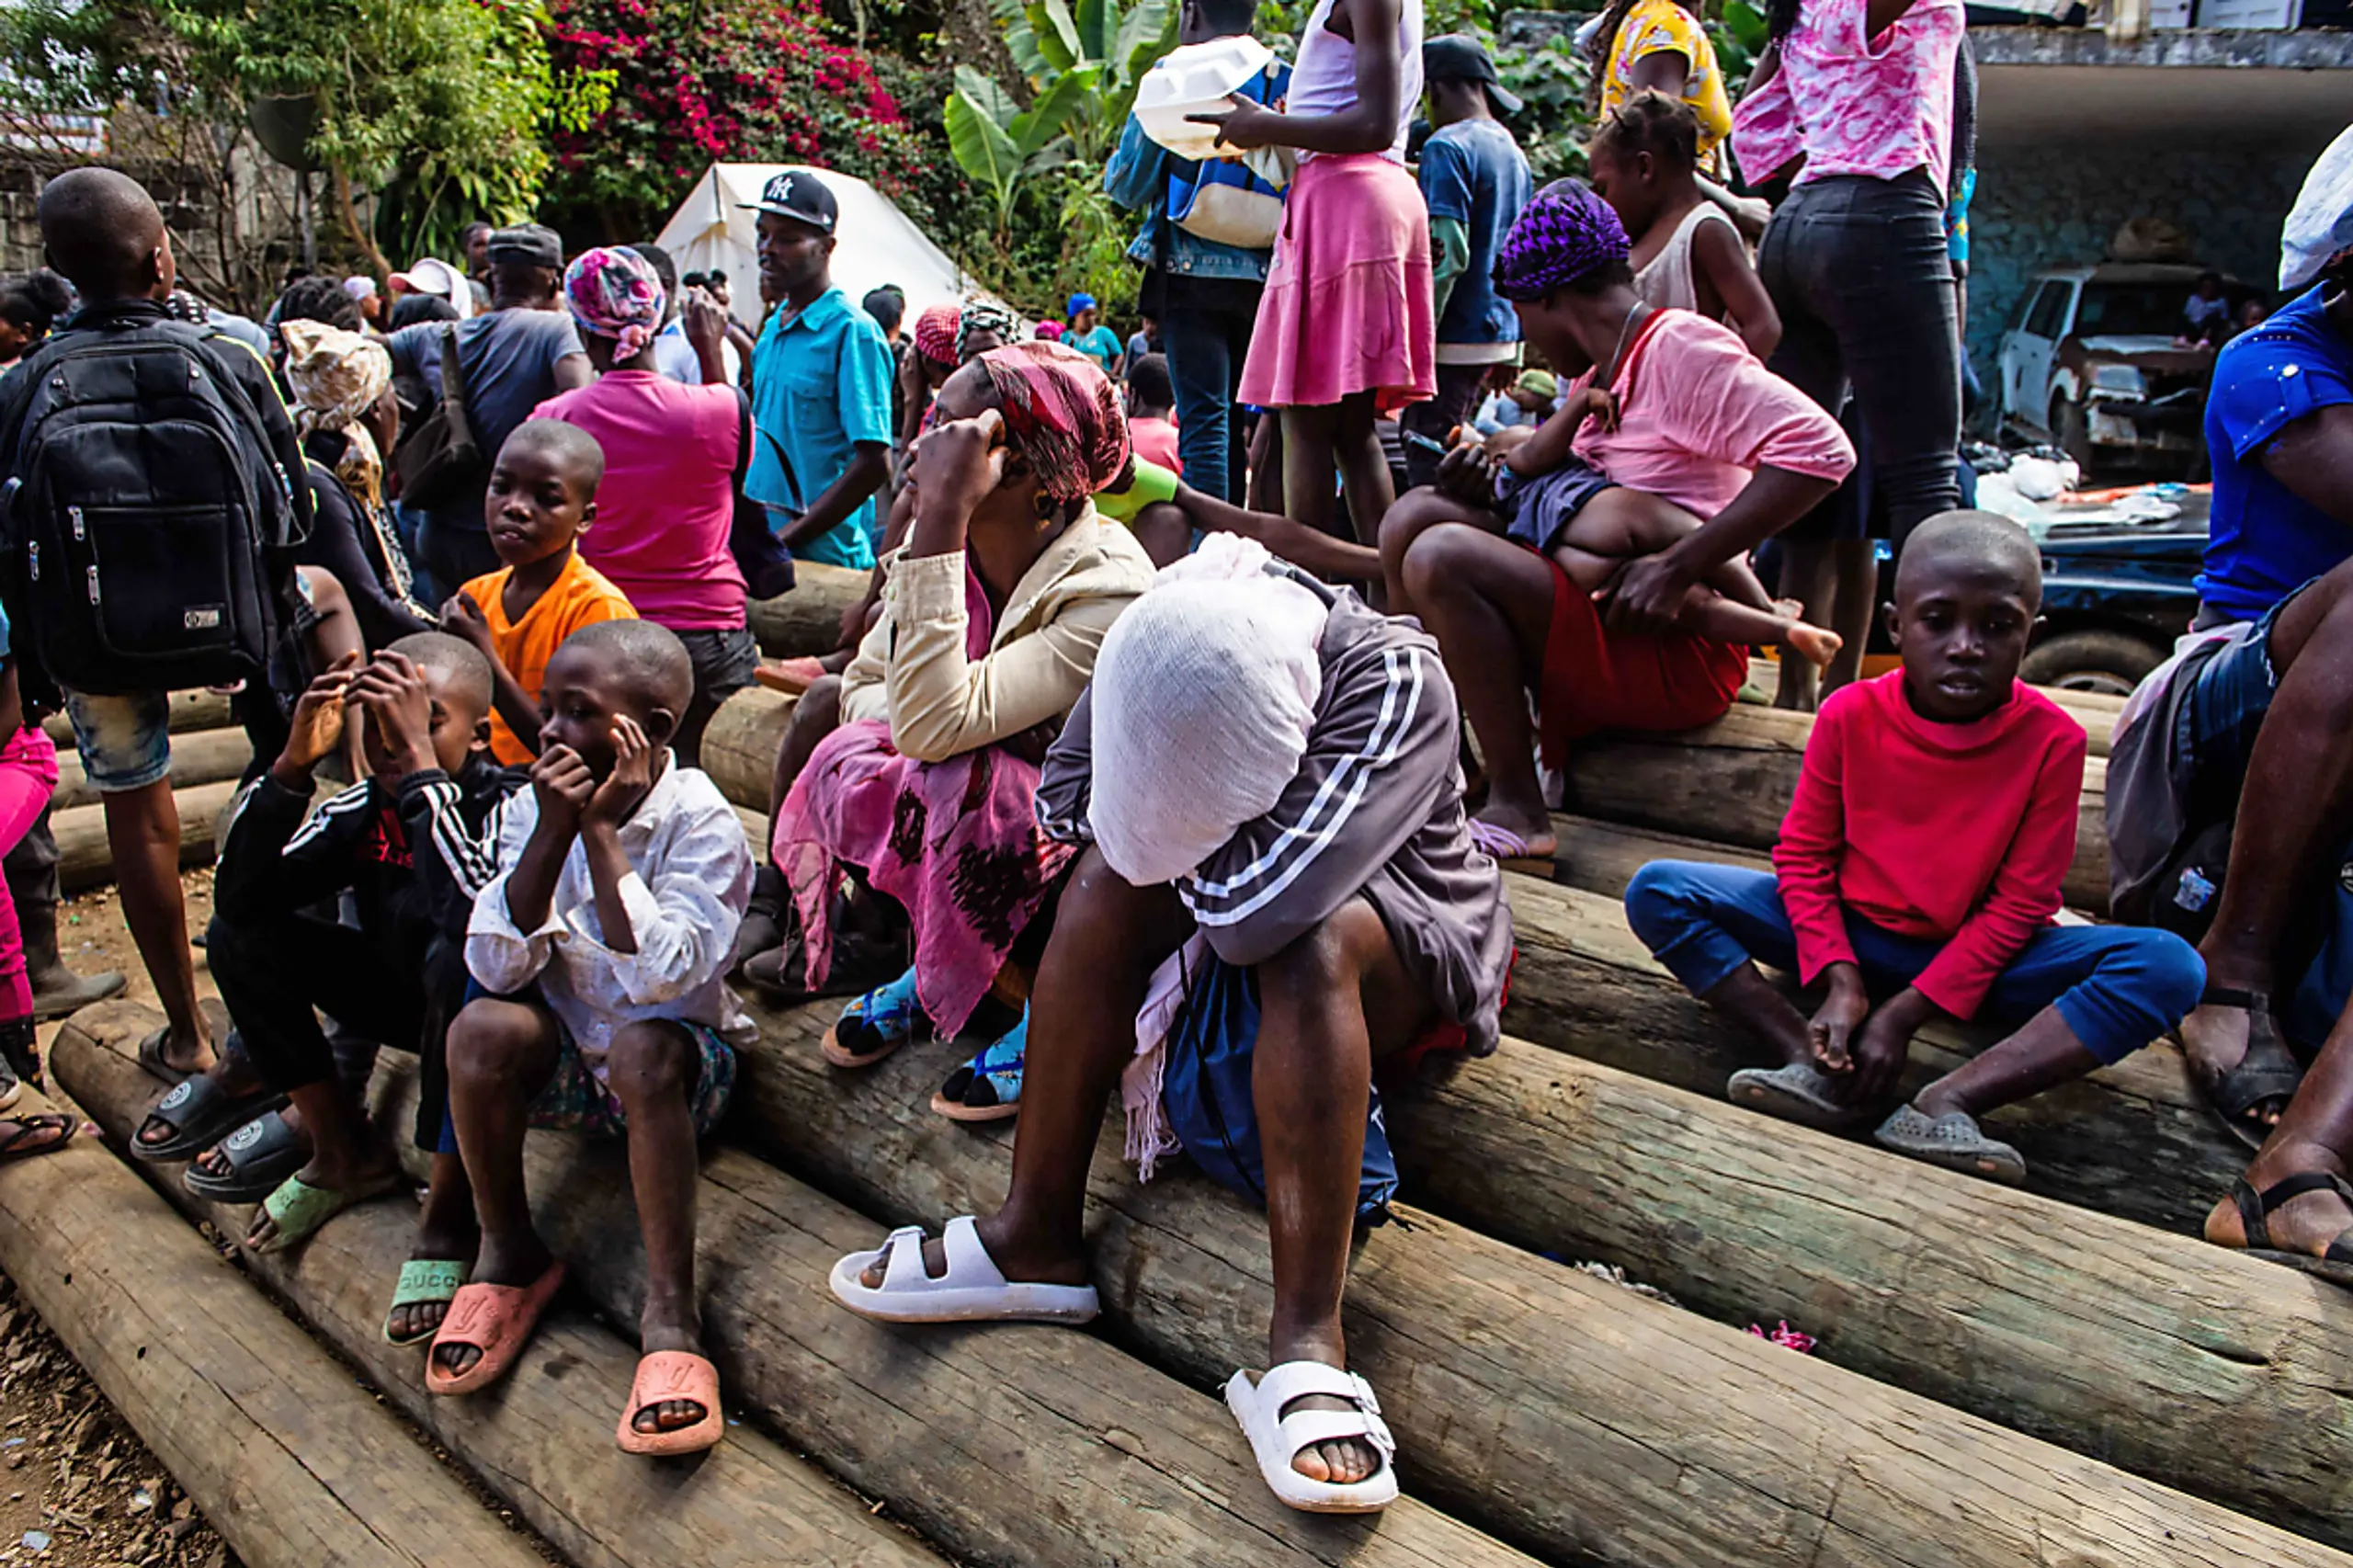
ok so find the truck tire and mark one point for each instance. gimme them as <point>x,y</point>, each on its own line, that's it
<point>2071,433</point>
<point>2108,662</point>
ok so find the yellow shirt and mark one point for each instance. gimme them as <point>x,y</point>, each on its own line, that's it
<point>581,596</point>
<point>1662,27</point>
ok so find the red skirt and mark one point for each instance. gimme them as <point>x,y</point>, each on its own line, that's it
<point>1597,679</point>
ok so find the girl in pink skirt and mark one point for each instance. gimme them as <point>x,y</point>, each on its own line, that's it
<point>1346,330</point>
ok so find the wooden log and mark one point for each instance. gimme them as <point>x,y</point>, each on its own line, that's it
<point>291,1461</point>
<point>807,620</point>
<point>1732,782</point>
<point>198,710</point>
<point>1553,1408</point>
<point>544,1442</point>
<point>83,860</point>
<point>2134,1140</point>
<point>2197,1367</point>
<point>198,757</point>
<point>740,742</point>
<point>1041,1447</point>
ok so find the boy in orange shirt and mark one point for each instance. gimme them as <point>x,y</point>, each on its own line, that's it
<point>542,497</point>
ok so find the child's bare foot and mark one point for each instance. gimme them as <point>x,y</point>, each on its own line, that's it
<point>518,1261</point>
<point>1815,644</point>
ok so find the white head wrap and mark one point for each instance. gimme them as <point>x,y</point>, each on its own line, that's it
<point>1205,690</point>
<point>2321,223</point>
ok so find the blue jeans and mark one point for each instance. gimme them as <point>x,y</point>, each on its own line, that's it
<point>1206,343</point>
<point>2118,986</point>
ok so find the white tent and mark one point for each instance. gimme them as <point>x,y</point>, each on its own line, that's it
<point>875,243</point>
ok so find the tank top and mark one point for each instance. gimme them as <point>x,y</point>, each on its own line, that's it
<point>1667,282</point>
<point>1325,79</point>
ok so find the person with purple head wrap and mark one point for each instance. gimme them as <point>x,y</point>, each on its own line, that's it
<point>666,505</point>
<point>1622,597</point>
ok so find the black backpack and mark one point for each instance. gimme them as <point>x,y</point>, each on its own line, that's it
<point>143,491</point>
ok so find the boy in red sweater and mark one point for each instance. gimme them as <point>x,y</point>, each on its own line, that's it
<point>1921,862</point>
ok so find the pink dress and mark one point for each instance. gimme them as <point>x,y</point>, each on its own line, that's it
<point>1348,301</point>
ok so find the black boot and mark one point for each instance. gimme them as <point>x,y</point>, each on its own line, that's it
<point>763,926</point>
<point>57,990</point>
<point>18,1051</point>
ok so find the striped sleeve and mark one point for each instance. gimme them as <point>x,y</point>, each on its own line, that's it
<point>1382,751</point>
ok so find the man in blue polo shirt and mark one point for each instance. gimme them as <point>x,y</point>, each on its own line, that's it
<point>821,385</point>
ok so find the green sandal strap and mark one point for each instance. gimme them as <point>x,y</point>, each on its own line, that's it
<point>426,1280</point>
<point>298,1210</point>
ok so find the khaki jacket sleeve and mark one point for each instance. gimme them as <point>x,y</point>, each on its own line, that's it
<point>942,703</point>
<point>864,694</point>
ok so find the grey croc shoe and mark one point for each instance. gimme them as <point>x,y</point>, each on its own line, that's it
<point>1799,1092</point>
<point>1953,1141</point>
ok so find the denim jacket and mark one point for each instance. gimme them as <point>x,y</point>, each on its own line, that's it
<point>1137,178</point>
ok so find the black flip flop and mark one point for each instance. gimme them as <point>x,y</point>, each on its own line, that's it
<point>12,1147</point>
<point>151,1049</point>
<point>201,1113</point>
<point>2336,1265</point>
<point>2268,1071</point>
<point>261,1155</point>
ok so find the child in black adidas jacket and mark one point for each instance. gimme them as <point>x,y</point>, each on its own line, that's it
<point>411,846</point>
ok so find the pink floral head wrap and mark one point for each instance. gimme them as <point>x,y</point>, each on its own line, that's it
<point>1062,414</point>
<point>613,292</point>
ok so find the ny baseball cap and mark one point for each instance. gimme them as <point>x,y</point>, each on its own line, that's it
<point>799,196</point>
<point>1458,57</point>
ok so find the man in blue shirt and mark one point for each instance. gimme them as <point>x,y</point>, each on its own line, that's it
<point>821,385</point>
<point>2281,393</point>
<point>1475,179</point>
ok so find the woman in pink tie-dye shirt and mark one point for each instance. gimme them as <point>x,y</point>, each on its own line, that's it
<point>1854,102</point>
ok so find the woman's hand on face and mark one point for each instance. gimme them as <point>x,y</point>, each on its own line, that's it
<point>1246,126</point>
<point>956,464</point>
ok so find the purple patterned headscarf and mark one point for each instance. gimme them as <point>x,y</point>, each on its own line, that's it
<point>613,292</point>
<point>1563,235</point>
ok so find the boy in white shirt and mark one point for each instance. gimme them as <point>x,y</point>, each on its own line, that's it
<point>604,939</point>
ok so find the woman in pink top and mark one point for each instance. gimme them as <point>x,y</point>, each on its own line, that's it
<point>674,456</point>
<point>1854,101</point>
<point>1346,329</point>
<point>1701,431</point>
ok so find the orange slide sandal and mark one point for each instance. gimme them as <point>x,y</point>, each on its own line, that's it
<point>662,1376</point>
<point>497,1320</point>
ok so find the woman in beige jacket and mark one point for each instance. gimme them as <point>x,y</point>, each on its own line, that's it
<point>990,619</point>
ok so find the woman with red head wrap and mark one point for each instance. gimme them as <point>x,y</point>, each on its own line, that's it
<point>991,616</point>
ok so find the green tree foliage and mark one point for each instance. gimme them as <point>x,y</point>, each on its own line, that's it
<point>442,105</point>
<point>692,84</point>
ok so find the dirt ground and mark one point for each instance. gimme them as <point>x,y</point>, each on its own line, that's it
<point>77,1487</point>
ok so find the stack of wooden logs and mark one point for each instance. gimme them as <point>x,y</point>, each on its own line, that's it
<point>2065,1375</point>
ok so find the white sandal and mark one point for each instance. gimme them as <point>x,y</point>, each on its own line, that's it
<point>973,1290</point>
<point>1277,1439</point>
